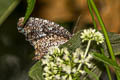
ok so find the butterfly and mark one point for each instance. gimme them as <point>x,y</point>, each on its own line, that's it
<point>42,34</point>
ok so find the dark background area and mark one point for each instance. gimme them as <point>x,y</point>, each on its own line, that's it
<point>15,52</point>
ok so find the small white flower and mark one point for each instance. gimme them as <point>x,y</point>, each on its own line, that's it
<point>87,34</point>
<point>46,69</point>
<point>92,34</point>
<point>76,60</point>
<point>59,61</point>
<point>86,60</point>
<point>70,77</point>
<point>82,55</point>
<point>47,57</point>
<point>66,68</point>
<point>64,77</point>
<point>55,71</point>
<point>57,77</point>
<point>66,57</point>
<point>82,72</point>
<point>46,74</point>
<point>89,65</point>
<point>44,61</point>
<point>99,38</point>
<point>52,64</point>
<point>49,78</point>
<point>66,51</point>
<point>77,53</point>
<point>53,49</point>
<point>74,70</point>
<point>89,57</point>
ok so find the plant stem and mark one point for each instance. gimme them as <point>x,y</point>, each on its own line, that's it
<point>95,26</point>
<point>92,15</point>
<point>79,66</point>
<point>91,73</point>
<point>86,51</point>
<point>103,29</point>
<point>105,33</point>
<point>108,72</point>
<point>106,66</point>
<point>88,45</point>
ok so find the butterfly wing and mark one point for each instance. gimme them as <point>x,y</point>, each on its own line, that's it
<point>43,34</point>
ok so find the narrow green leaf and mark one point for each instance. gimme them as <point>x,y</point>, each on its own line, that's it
<point>103,29</point>
<point>6,8</point>
<point>106,60</point>
<point>105,33</point>
<point>30,7</point>
<point>91,73</point>
<point>92,15</point>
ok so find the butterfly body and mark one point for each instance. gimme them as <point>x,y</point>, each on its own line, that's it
<point>43,34</point>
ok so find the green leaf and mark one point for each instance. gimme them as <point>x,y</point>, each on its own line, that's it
<point>6,8</point>
<point>115,42</point>
<point>106,60</point>
<point>91,73</point>
<point>35,72</point>
<point>30,7</point>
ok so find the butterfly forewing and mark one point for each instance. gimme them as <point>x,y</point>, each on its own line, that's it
<point>43,34</point>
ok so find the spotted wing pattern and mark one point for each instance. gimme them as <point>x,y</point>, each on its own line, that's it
<point>43,34</point>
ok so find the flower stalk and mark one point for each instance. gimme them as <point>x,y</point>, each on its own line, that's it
<point>88,46</point>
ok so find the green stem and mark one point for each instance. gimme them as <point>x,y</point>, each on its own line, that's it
<point>106,66</point>
<point>79,66</point>
<point>95,26</point>
<point>92,15</point>
<point>86,51</point>
<point>108,72</point>
<point>91,73</point>
<point>103,29</point>
<point>88,46</point>
<point>105,33</point>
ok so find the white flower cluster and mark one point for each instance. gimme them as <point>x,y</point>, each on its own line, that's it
<point>60,64</point>
<point>92,34</point>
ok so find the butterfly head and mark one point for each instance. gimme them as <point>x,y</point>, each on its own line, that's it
<point>25,29</point>
<point>20,25</point>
